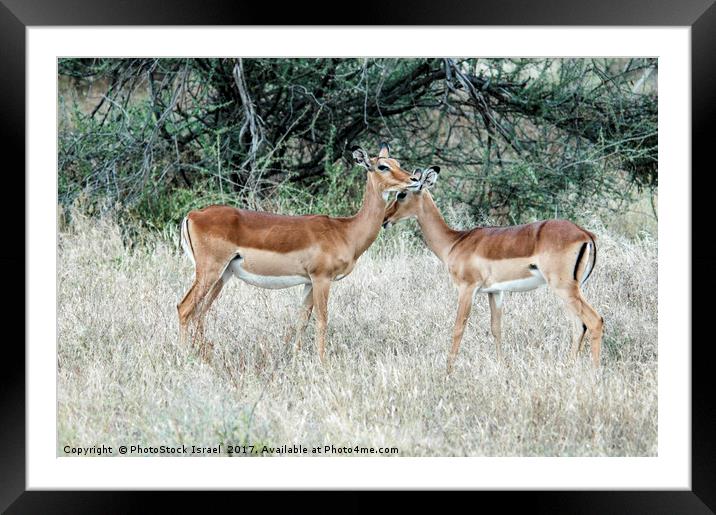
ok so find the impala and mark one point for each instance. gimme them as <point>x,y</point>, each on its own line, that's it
<point>494,260</point>
<point>277,251</point>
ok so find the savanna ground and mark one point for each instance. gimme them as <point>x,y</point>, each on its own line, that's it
<point>123,377</point>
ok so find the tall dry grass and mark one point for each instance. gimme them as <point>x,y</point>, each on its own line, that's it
<point>124,379</point>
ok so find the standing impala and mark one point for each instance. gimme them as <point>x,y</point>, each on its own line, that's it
<point>494,260</point>
<point>276,251</point>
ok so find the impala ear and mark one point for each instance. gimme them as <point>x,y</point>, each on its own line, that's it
<point>430,177</point>
<point>384,150</point>
<point>361,158</point>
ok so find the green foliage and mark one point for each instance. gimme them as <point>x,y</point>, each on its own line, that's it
<point>517,139</point>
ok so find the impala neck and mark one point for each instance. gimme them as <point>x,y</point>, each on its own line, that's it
<point>439,237</point>
<point>366,223</point>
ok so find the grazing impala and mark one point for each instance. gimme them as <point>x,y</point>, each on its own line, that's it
<point>494,260</point>
<point>276,251</point>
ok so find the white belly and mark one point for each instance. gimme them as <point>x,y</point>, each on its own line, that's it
<point>526,284</point>
<point>273,282</point>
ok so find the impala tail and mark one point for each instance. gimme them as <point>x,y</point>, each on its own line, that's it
<point>185,240</point>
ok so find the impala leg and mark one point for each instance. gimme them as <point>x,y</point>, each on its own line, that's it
<point>578,333</point>
<point>206,347</point>
<point>589,317</point>
<point>463,313</point>
<point>189,307</point>
<point>597,331</point>
<point>185,309</point>
<point>193,306</point>
<point>303,317</point>
<point>496,320</point>
<point>321,287</point>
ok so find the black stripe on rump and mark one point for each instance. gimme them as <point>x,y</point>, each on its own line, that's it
<point>188,237</point>
<point>579,258</point>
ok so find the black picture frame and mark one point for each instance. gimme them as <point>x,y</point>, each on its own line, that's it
<point>17,15</point>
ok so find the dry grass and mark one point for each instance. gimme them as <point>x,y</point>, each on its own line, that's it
<point>124,379</point>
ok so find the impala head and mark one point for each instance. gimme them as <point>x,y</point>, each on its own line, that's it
<point>385,172</point>
<point>407,204</point>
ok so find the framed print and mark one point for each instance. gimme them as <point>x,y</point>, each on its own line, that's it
<point>457,159</point>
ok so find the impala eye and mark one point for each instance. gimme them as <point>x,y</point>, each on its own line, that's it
<point>401,195</point>
<point>383,168</point>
